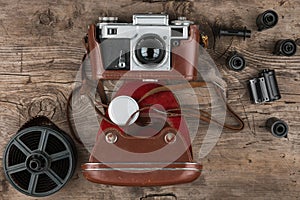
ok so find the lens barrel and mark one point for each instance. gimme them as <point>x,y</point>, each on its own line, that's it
<point>150,50</point>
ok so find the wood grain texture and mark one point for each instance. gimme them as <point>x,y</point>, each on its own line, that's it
<point>40,54</point>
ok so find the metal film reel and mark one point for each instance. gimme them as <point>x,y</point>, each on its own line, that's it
<point>39,160</point>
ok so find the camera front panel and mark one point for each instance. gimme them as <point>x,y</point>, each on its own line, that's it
<point>139,47</point>
<point>116,54</point>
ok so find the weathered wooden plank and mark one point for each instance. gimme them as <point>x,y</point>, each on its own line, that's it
<point>40,55</point>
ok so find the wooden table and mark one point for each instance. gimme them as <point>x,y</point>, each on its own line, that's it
<point>40,55</point>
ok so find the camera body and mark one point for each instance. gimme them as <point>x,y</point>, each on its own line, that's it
<point>155,149</point>
<point>145,44</point>
<point>144,138</point>
<point>146,48</point>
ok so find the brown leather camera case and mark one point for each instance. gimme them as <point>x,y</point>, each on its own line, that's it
<point>144,155</point>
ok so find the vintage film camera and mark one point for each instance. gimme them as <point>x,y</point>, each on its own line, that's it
<point>140,154</point>
<point>146,48</point>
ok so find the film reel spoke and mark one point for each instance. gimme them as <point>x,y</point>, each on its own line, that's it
<point>43,140</point>
<point>33,183</point>
<point>54,177</point>
<point>22,147</point>
<point>16,168</point>
<point>59,156</point>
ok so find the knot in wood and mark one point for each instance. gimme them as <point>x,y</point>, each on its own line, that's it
<point>47,18</point>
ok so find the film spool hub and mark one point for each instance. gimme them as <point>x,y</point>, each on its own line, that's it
<point>266,20</point>
<point>277,127</point>
<point>236,61</point>
<point>286,47</point>
<point>39,160</point>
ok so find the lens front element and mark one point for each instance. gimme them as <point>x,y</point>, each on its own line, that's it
<point>150,50</point>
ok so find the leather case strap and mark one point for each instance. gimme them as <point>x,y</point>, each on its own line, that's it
<point>204,116</point>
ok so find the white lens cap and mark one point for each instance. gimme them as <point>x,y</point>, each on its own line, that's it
<point>121,109</point>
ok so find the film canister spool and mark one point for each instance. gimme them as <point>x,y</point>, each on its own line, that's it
<point>40,159</point>
<point>266,20</point>
<point>277,127</point>
<point>235,61</point>
<point>286,47</point>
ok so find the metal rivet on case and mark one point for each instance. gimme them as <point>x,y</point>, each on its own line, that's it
<point>170,138</point>
<point>111,138</point>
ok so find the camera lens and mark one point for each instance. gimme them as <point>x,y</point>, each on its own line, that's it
<point>150,50</point>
